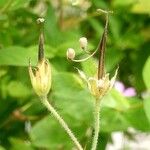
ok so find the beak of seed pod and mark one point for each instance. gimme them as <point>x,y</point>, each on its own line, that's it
<point>100,85</point>
<point>41,75</point>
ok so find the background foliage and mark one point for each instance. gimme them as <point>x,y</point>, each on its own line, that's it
<point>24,122</point>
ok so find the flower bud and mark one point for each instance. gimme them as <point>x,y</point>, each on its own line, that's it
<point>83,42</point>
<point>41,77</point>
<point>70,53</point>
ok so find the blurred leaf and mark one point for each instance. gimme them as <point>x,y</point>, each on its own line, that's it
<point>123,3</point>
<point>17,144</point>
<point>2,2</point>
<point>121,120</point>
<point>19,56</point>
<point>136,116</point>
<point>97,26</point>
<point>52,31</point>
<point>103,140</point>
<point>146,103</point>
<point>3,17</point>
<point>18,90</point>
<point>90,67</point>
<point>73,86</point>
<point>10,5</point>
<point>18,3</point>
<point>62,48</point>
<point>15,56</point>
<point>100,4</point>
<point>113,120</point>
<point>141,6</point>
<point>6,108</point>
<point>76,106</point>
<point>113,57</point>
<point>31,110</point>
<point>115,27</point>
<point>2,148</point>
<point>115,100</point>
<point>2,72</point>
<point>56,64</point>
<point>146,73</point>
<point>47,133</point>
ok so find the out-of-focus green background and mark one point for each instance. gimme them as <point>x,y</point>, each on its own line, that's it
<point>24,123</point>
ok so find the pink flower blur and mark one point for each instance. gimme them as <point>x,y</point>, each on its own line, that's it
<point>128,92</point>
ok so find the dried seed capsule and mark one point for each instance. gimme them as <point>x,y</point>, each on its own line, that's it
<point>41,77</point>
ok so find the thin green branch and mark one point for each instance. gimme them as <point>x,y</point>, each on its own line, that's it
<point>61,122</point>
<point>96,123</point>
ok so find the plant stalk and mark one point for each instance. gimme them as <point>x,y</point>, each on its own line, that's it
<point>96,123</point>
<point>61,122</point>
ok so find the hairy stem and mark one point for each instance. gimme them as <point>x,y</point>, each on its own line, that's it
<point>61,122</point>
<point>96,123</point>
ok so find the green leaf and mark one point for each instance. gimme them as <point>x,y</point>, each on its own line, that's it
<point>19,56</point>
<point>62,48</point>
<point>115,27</point>
<point>52,31</point>
<point>142,6</point>
<point>2,2</point>
<point>90,67</point>
<point>113,57</point>
<point>77,98</point>
<point>47,133</point>
<point>123,3</point>
<point>97,26</point>
<point>136,115</point>
<point>2,148</point>
<point>75,106</point>
<point>146,103</point>
<point>115,100</point>
<point>146,73</point>
<point>112,120</point>
<point>120,120</point>
<point>17,144</point>
<point>18,4</point>
<point>18,90</point>
<point>9,5</point>
<point>2,72</point>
